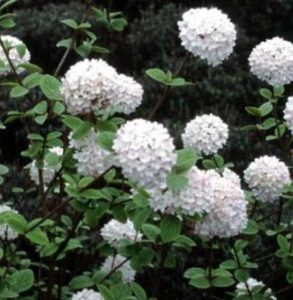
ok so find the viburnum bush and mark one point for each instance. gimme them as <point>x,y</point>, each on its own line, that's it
<point>107,204</point>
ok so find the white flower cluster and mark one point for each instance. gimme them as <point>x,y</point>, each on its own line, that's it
<point>241,288</point>
<point>228,216</point>
<point>92,159</point>
<point>6,232</point>
<point>206,133</point>
<point>114,232</point>
<point>272,61</point>
<point>145,152</point>
<point>196,197</point>
<point>93,84</point>
<point>267,176</point>
<point>47,171</point>
<point>16,56</point>
<point>207,33</point>
<point>87,294</point>
<point>112,262</point>
<point>288,113</point>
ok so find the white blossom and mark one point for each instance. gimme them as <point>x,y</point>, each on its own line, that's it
<point>272,61</point>
<point>91,85</point>
<point>251,283</point>
<point>206,133</point>
<point>87,294</point>
<point>228,215</point>
<point>207,33</point>
<point>18,54</point>
<point>114,232</point>
<point>267,176</point>
<point>92,159</point>
<point>112,262</point>
<point>48,171</point>
<point>288,113</point>
<point>145,152</point>
<point>6,232</point>
<point>127,94</point>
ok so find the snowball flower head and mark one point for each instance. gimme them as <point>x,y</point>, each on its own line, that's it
<point>87,294</point>
<point>6,232</point>
<point>207,33</point>
<point>18,54</point>
<point>127,94</point>
<point>207,134</point>
<point>145,152</point>
<point>114,232</point>
<point>288,113</point>
<point>267,176</point>
<point>92,159</point>
<point>112,262</point>
<point>241,288</point>
<point>48,171</point>
<point>228,216</point>
<point>272,61</point>
<point>91,85</point>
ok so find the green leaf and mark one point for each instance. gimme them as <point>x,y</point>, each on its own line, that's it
<point>118,24</point>
<point>106,139</point>
<point>209,164</point>
<point>251,228</point>
<point>254,111</point>
<point>18,91</point>
<point>21,281</point>
<point>138,291</point>
<point>200,282</point>
<point>81,282</point>
<point>58,108</point>
<point>157,75</point>
<point>186,158</point>
<point>222,281</point>
<point>51,86</point>
<point>241,275</point>
<point>85,181</point>
<point>38,236</point>
<point>82,130</point>
<point>7,4</point>
<point>229,264</point>
<point>278,91</point>
<point>176,182</point>
<point>70,23</point>
<point>265,109</point>
<point>40,108</point>
<point>195,273</point>
<point>170,228</point>
<point>52,159</point>
<point>31,68</point>
<point>151,231</point>
<point>32,80</point>
<point>92,194</point>
<point>106,293</point>
<point>17,222</point>
<point>140,217</point>
<point>283,243</point>
<point>7,23</point>
<point>266,93</point>
<point>66,43</point>
<point>41,119</point>
<point>269,123</point>
<point>72,122</point>
<point>3,170</point>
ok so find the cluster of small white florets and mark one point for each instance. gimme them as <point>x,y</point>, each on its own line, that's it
<point>206,133</point>
<point>48,171</point>
<point>91,85</point>
<point>17,57</point>
<point>272,61</point>
<point>196,197</point>
<point>92,159</point>
<point>6,232</point>
<point>288,113</point>
<point>87,294</point>
<point>112,262</point>
<point>251,283</point>
<point>228,215</point>
<point>267,176</point>
<point>207,33</point>
<point>145,151</point>
<point>114,232</point>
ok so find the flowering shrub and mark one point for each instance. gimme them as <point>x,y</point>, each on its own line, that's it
<point>116,203</point>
